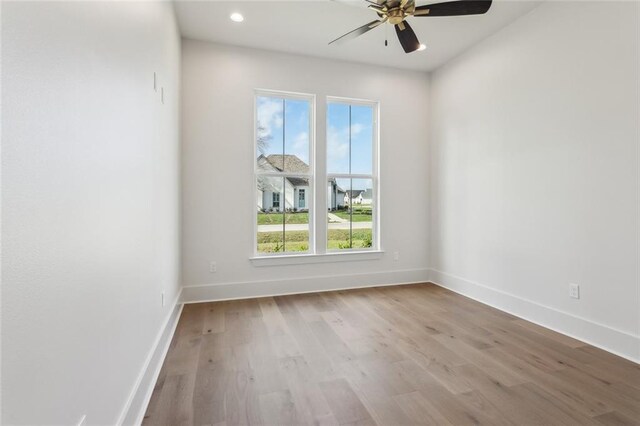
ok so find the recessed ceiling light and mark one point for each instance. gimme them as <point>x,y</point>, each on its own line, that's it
<point>422,46</point>
<point>236,17</point>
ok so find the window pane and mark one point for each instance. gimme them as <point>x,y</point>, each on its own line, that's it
<point>350,130</point>
<point>269,131</point>
<point>270,205</point>
<point>350,214</point>
<point>296,136</point>
<point>338,217</point>
<point>283,214</point>
<point>362,213</point>
<point>337,138</point>
<point>296,228</point>
<point>362,139</point>
<point>283,128</point>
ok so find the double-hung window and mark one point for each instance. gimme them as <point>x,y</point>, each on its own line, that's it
<point>286,204</point>
<point>283,172</point>
<point>351,174</point>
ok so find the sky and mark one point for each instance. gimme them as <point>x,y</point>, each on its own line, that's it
<point>294,128</point>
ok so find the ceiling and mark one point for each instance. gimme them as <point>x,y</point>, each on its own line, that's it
<point>306,26</point>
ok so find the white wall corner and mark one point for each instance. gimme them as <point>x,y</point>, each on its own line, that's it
<point>618,342</point>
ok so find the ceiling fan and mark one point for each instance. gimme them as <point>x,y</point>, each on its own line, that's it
<point>397,11</point>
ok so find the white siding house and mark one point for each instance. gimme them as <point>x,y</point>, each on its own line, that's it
<point>335,195</point>
<point>273,194</point>
<point>367,197</point>
<point>359,196</point>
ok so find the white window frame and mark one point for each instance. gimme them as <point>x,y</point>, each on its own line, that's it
<point>311,176</point>
<point>318,179</point>
<point>374,177</point>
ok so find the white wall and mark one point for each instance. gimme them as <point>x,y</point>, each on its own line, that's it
<point>90,176</point>
<point>218,85</point>
<point>534,171</point>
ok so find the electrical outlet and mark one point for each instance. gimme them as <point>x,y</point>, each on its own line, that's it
<point>82,419</point>
<point>396,255</point>
<point>163,298</point>
<point>213,267</point>
<point>574,291</point>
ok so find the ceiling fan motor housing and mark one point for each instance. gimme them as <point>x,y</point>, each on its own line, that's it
<point>396,16</point>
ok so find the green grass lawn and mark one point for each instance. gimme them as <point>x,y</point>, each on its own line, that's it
<point>271,242</point>
<point>339,238</point>
<point>360,214</point>
<point>355,218</point>
<point>276,218</point>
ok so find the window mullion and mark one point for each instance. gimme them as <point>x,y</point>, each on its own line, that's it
<point>283,206</point>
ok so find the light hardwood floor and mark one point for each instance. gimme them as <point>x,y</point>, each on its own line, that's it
<point>404,355</point>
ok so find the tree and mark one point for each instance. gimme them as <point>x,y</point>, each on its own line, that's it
<point>263,137</point>
<point>262,143</point>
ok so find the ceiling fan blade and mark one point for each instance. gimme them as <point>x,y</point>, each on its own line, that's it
<point>357,32</point>
<point>407,37</point>
<point>454,8</point>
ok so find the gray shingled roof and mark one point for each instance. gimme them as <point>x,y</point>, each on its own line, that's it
<point>298,181</point>
<point>292,164</point>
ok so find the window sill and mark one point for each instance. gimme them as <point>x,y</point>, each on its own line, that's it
<point>299,259</point>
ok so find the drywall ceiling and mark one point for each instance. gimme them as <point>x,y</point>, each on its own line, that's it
<point>306,26</point>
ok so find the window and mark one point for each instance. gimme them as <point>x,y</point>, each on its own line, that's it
<point>351,174</point>
<point>283,172</point>
<point>285,175</point>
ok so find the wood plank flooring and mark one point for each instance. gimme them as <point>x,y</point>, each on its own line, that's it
<point>404,355</point>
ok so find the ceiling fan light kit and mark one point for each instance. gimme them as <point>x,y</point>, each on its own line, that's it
<point>396,12</point>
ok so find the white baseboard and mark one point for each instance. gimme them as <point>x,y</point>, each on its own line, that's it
<point>610,339</point>
<point>133,412</point>
<point>249,289</point>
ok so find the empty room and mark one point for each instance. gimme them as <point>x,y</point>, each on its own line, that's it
<point>320,212</point>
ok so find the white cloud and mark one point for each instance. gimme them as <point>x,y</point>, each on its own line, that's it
<point>356,129</point>
<point>300,146</point>
<point>337,144</point>
<point>270,114</point>
<point>338,141</point>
